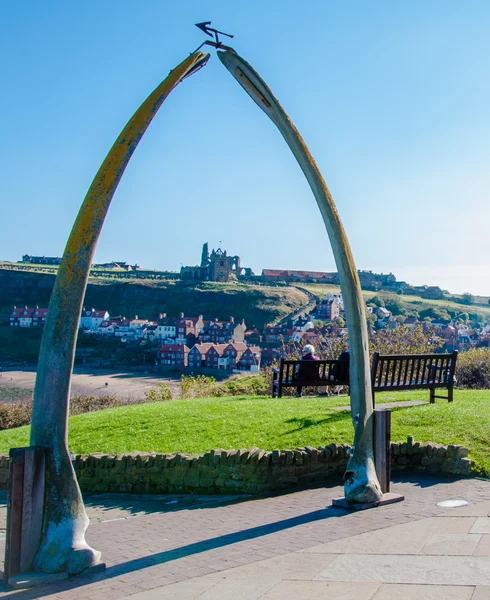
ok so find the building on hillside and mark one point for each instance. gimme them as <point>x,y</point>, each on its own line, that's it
<point>197,355</point>
<point>90,319</point>
<point>116,265</point>
<point>375,281</point>
<point>252,336</point>
<point>411,322</point>
<point>328,309</point>
<point>215,358</point>
<point>292,275</point>
<point>39,316</point>
<point>174,354</point>
<point>149,330</point>
<point>433,292</point>
<point>107,328</point>
<point>218,332</point>
<point>187,329</point>
<point>137,326</point>
<point>275,333</point>
<point>41,260</point>
<point>28,317</point>
<point>250,359</point>
<point>166,328</point>
<point>270,354</point>
<point>216,266</point>
<point>123,328</point>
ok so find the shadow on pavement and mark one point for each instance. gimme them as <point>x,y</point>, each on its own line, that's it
<point>185,551</point>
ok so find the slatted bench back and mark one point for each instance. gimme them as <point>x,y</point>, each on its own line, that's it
<point>313,372</point>
<point>412,371</point>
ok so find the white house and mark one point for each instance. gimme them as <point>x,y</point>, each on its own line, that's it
<point>137,326</point>
<point>91,318</point>
<point>166,328</point>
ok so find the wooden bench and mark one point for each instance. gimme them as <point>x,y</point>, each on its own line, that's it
<point>309,373</point>
<point>393,372</point>
<point>388,373</point>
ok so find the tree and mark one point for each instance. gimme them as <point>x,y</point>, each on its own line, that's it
<point>395,305</point>
<point>467,299</point>
<point>377,300</point>
<point>405,340</point>
<point>436,313</point>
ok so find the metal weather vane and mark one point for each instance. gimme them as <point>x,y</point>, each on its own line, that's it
<point>211,31</point>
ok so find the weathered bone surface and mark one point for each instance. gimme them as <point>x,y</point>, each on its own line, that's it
<point>63,546</point>
<point>361,485</point>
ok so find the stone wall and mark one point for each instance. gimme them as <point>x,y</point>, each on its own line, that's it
<point>251,471</point>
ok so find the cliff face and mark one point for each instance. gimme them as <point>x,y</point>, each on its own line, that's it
<point>258,305</point>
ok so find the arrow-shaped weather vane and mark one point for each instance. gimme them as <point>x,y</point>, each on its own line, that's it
<point>212,32</point>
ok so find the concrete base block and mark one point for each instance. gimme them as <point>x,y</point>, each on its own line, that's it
<point>34,579</point>
<point>388,498</point>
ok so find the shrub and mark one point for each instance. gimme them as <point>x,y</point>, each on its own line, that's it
<point>245,385</point>
<point>84,404</point>
<point>160,393</point>
<point>405,341</point>
<point>473,369</point>
<point>197,386</point>
<point>15,414</point>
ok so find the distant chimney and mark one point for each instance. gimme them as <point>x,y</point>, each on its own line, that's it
<point>232,320</point>
<point>181,315</point>
<point>25,307</point>
<point>15,308</point>
<point>215,320</point>
<point>136,317</point>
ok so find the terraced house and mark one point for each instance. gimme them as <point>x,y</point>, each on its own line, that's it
<point>219,332</point>
<point>28,317</point>
<point>174,354</point>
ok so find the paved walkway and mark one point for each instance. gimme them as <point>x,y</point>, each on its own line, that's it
<point>292,546</point>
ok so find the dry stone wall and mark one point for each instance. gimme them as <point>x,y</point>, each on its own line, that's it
<point>252,471</point>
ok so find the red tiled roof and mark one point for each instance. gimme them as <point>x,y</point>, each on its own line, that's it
<point>202,348</point>
<point>174,348</point>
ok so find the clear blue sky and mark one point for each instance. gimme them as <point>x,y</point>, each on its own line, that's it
<point>393,99</point>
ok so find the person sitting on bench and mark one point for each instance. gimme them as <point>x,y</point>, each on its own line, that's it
<point>309,371</point>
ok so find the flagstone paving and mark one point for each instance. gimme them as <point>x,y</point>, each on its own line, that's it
<point>289,546</point>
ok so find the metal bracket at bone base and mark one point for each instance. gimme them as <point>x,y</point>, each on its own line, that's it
<point>388,498</point>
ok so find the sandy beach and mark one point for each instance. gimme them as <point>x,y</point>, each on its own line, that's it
<point>96,382</point>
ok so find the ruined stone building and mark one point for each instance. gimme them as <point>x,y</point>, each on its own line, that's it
<point>216,266</point>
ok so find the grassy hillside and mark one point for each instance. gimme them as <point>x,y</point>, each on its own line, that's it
<point>256,304</point>
<point>198,425</point>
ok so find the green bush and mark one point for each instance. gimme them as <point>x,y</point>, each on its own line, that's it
<point>15,414</point>
<point>84,404</point>
<point>473,369</point>
<point>197,386</point>
<point>245,385</point>
<point>160,393</point>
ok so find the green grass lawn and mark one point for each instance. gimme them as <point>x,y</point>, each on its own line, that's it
<point>199,425</point>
